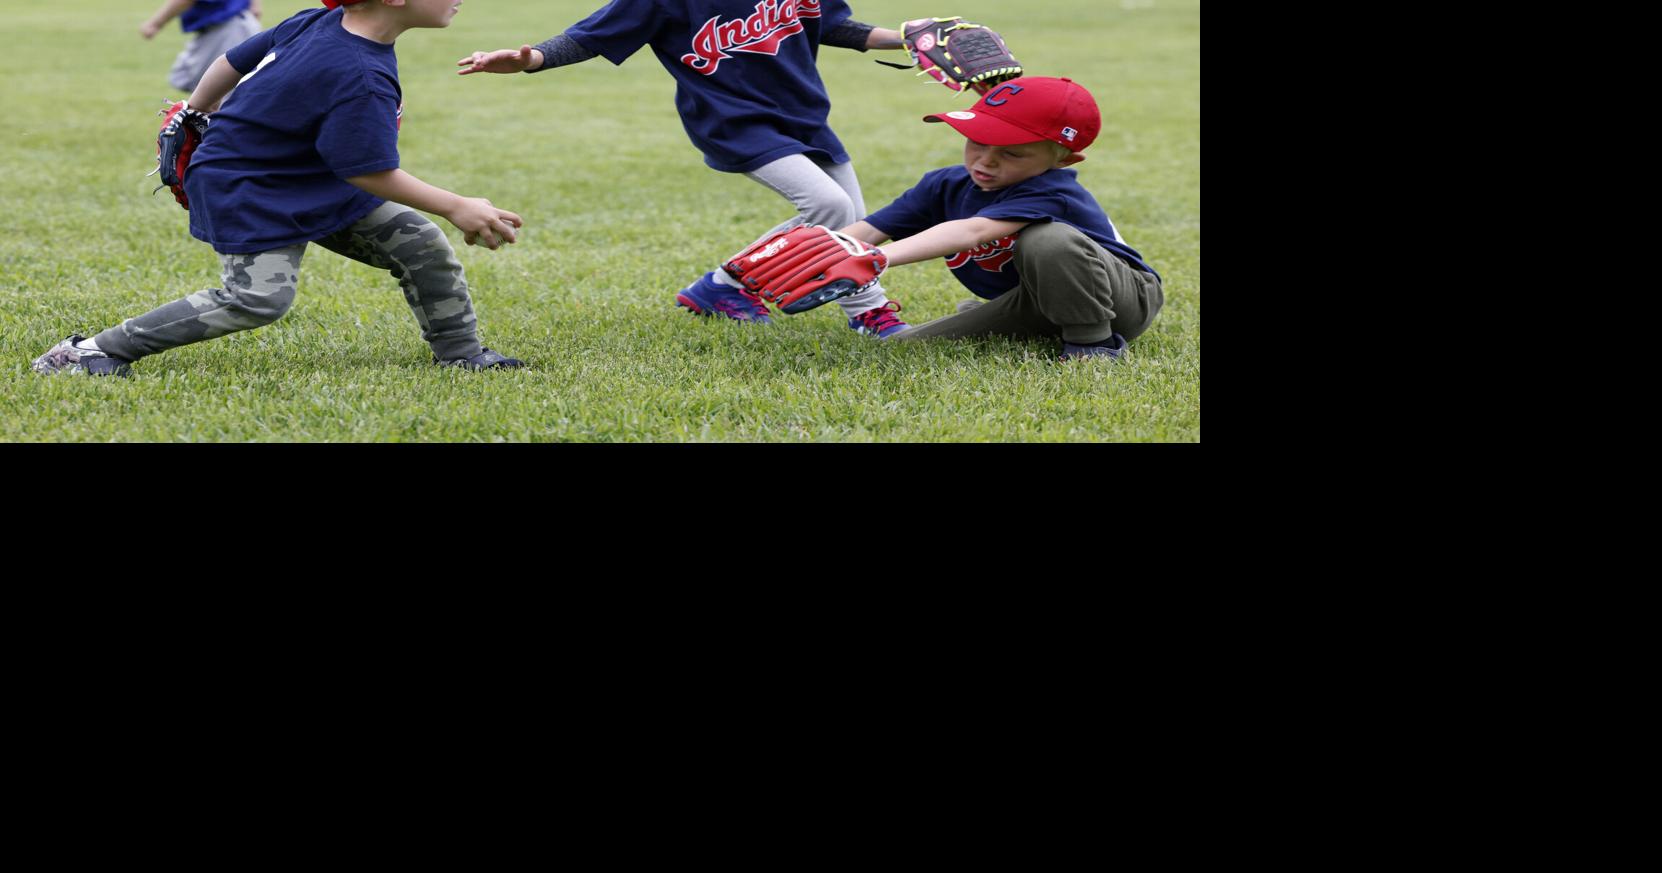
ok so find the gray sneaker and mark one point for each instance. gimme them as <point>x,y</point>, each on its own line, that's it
<point>1112,347</point>
<point>65,357</point>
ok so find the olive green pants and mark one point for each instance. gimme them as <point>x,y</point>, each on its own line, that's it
<point>1070,287</point>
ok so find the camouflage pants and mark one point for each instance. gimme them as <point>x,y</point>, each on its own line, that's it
<point>258,288</point>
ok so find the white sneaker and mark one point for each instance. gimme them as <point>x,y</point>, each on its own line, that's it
<point>66,357</point>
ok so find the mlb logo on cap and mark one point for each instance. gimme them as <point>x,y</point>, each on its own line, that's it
<point>1069,133</point>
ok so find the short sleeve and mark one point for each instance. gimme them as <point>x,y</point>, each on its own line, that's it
<point>618,29</point>
<point>360,136</point>
<point>912,212</point>
<point>245,57</point>
<point>833,14</point>
<point>1035,207</point>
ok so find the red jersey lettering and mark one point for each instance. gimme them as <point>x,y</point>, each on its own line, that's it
<point>989,256</point>
<point>773,22</point>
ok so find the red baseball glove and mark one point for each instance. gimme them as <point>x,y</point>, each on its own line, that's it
<point>807,266</point>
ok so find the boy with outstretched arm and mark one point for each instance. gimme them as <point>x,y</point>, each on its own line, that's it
<point>1017,228</point>
<point>306,150</point>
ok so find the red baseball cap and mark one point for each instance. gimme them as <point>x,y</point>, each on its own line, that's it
<point>1029,109</point>
<point>332,4</point>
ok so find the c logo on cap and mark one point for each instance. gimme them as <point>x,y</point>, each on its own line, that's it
<point>1013,89</point>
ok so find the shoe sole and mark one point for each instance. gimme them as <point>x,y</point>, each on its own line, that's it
<point>123,371</point>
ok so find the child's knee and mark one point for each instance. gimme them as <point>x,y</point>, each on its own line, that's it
<point>420,245</point>
<point>263,305</point>
<point>831,207</point>
<point>429,237</point>
<point>259,288</point>
<point>1064,271</point>
<point>1052,239</point>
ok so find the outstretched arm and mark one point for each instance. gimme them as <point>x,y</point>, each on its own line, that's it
<point>168,11</point>
<point>884,38</point>
<point>860,36</point>
<point>475,217</point>
<point>556,52</point>
<point>946,238</point>
<point>866,233</point>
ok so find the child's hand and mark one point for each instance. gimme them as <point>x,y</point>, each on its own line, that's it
<point>480,222</point>
<point>501,61</point>
<point>149,29</point>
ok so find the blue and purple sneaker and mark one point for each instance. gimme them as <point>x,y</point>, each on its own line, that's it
<point>709,297</point>
<point>881,322</point>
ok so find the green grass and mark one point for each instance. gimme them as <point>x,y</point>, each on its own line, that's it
<point>620,212</point>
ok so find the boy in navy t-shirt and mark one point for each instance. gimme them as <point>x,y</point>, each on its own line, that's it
<point>306,150</point>
<point>215,27</point>
<point>1018,230</point>
<point>750,98</point>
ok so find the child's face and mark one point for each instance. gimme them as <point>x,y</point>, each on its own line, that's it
<point>995,167</point>
<point>431,13</point>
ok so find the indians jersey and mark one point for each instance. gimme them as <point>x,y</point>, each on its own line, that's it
<point>747,87</point>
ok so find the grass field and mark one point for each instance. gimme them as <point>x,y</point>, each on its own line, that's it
<point>620,212</point>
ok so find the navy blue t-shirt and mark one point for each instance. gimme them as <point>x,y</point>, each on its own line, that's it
<point>747,87</point>
<point>207,13</point>
<point>316,105</point>
<point>949,194</point>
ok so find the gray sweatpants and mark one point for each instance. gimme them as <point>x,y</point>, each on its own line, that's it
<point>1070,287</point>
<point>823,193</point>
<point>205,47</point>
<point>260,287</point>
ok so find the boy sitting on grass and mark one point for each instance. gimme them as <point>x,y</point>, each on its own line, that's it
<point>306,150</point>
<point>1019,230</point>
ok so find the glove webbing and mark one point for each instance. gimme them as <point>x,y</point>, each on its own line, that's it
<point>972,44</point>
<point>809,271</point>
